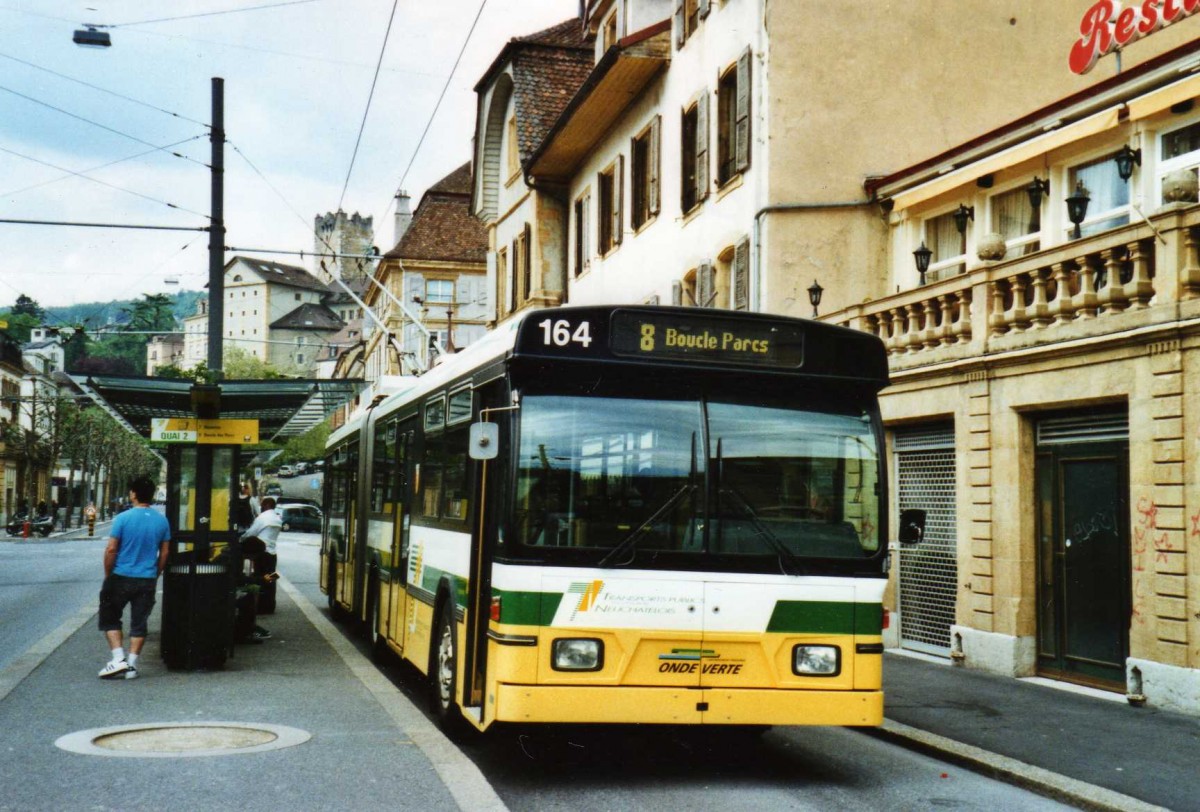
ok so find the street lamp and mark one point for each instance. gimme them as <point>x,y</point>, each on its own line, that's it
<point>814,296</point>
<point>1126,160</point>
<point>1036,190</point>
<point>91,37</point>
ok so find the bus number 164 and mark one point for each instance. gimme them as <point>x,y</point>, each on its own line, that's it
<point>559,333</point>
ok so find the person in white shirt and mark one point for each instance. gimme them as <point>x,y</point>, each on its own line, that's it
<point>266,527</point>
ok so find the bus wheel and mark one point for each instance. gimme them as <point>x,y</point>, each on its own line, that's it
<point>443,680</point>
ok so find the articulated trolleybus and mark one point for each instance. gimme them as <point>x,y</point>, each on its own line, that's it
<point>626,515</point>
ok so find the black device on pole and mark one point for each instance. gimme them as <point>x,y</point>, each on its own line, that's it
<point>216,234</point>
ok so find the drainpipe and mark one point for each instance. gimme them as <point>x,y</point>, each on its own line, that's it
<point>786,207</point>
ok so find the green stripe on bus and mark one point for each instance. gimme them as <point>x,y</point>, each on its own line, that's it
<point>826,617</point>
<point>527,608</point>
<point>432,576</point>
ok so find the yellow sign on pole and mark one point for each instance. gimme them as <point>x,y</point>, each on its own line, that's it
<point>203,432</point>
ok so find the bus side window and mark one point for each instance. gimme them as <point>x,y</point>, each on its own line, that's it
<point>455,504</point>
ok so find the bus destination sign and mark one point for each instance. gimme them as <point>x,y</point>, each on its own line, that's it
<point>687,337</point>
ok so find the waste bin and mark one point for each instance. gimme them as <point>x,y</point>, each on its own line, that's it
<point>197,616</point>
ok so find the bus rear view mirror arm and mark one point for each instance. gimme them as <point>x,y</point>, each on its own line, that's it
<point>912,526</point>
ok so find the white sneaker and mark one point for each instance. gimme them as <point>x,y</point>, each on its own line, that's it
<point>131,672</point>
<point>113,670</point>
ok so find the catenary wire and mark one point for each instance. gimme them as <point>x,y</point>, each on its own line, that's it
<point>104,183</point>
<point>97,168</point>
<point>98,124</point>
<point>210,13</point>
<point>103,90</point>
<point>370,96</point>
<point>442,96</point>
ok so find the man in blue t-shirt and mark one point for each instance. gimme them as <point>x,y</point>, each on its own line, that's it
<point>137,550</point>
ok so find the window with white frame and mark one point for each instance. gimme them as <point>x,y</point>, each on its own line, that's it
<point>1178,151</point>
<point>1108,206</point>
<point>1015,219</point>
<point>439,291</point>
<point>949,247</point>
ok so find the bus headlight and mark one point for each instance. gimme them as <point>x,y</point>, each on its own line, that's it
<point>577,654</point>
<point>816,661</point>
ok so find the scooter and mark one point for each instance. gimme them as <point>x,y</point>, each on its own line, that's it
<point>38,525</point>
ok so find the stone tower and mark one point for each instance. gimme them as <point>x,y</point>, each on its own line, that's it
<point>344,234</point>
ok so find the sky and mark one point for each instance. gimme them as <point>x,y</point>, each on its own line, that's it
<point>297,81</point>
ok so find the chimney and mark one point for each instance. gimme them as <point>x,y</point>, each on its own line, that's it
<point>403,214</point>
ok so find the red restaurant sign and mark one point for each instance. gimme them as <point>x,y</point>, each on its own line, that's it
<point>1107,27</point>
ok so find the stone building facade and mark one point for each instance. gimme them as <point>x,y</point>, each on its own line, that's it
<point>1043,405</point>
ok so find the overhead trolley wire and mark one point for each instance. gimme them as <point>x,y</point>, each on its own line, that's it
<point>104,90</point>
<point>209,13</point>
<point>105,183</point>
<point>101,126</point>
<point>444,88</point>
<point>97,168</point>
<point>363,124</point>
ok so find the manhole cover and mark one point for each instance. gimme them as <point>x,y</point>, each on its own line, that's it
<point>182,739</point>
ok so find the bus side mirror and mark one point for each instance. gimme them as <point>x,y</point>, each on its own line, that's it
<point>912,526</point>
<point>485,441</point>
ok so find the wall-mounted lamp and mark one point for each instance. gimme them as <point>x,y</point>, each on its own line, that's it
<point>814,296</point>
<point>1036,190</point>
<point>1126,159</point>
<point>1077,207</point>
<point>922,256</point>
<point>961,215</point>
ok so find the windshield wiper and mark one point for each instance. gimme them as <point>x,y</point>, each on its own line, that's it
<point>786,556</point>
<point>630,541</point>
<point>787,559</point>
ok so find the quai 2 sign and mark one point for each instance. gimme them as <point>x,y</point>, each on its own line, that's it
<point>1108,26</point>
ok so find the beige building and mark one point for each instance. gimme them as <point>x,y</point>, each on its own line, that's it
<point>736,154</point>
<point>165,350</point>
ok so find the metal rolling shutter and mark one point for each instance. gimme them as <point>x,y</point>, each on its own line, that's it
<point>925,478</point>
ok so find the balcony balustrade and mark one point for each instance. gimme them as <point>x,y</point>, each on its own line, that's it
<point>1140,275</point>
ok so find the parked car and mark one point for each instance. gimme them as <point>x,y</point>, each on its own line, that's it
<point>286,471</point>
<point>300,468</point>
<point>300,518</point>
<point>296,500</point>
<point>274,489</point>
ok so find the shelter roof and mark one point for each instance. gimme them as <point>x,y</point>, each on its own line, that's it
<point>286,407</point>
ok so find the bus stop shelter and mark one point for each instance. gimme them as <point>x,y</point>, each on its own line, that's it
<point>204,429</point>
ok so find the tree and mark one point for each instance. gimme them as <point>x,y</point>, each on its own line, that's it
<point>27,306</point>
<point>242,365</point>
<point>308,446</point>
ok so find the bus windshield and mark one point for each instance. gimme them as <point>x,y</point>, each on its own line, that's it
<point>628,477</point>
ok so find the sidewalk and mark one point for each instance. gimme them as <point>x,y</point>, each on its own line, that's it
<point>1036,735</point>
<point>368,743</point>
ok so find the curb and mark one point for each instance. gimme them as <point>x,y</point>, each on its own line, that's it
<point>1044,782</point>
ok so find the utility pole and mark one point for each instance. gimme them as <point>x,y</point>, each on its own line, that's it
<point>216,234</point>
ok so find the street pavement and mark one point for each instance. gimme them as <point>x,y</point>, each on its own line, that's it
<point>1087,750</point>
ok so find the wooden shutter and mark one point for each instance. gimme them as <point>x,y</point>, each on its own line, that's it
<point>742,121</point>
<point>703,8</point>
<point>585,223</point>
<point>705,289</point>
<point>677,293</point>
<point>702,146</point>
<point>527,261</point>
<point>618,198</point>
<point>741,275</point>
<point>653,164</point>
<point>512,278</point>
<point>680,31</point>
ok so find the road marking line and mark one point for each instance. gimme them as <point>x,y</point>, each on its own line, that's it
<point>458,773</point>
<point>35,655</point>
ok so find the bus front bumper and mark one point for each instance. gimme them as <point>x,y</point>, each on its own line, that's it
<point>675,706</point>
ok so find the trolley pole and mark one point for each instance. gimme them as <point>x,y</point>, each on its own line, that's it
<point>216,234</point>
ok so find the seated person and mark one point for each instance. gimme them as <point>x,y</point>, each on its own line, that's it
<point>248,581</point>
